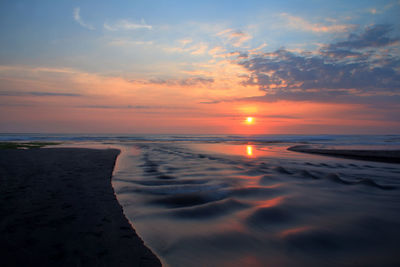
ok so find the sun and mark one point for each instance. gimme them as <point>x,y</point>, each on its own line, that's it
<point>249,120</point>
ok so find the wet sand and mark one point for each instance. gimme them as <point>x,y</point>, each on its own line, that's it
<point>390,156</point>
<point>57,208</point>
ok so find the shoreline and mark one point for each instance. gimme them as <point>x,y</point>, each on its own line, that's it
<point>58,207</point>
<point>387,156</point>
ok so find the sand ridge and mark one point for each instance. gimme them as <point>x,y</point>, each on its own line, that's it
<point>390,156</point>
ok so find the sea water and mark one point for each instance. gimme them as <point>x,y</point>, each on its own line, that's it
<point>247,201</point>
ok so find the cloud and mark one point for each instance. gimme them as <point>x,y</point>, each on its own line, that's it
<point>199,49</point>
<point>217,51</point>
<point>116,106</point>
<point>362,66</point>
<point>241,54</point>
<point>220,52</point>
<point>299,23</point>
<point>188,47</point>
<point>134,107</point>
<point>128,42</point>
<point>184,42</point>
<point>236,37</point>
<point>210,102</point>
<point>382,9</point>
<point>37,93</point>
<point>333,96</point>
<point>373,11</point>
<point>126,25</point>
<point>77,18</point>
<point>257,49</point>
<point>373,37</point>
<point>182,82</point>
<point>239,38</point>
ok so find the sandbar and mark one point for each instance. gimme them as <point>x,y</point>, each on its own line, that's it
<point>389,156</point>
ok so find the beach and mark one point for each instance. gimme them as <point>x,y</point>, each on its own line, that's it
<point>201,201</point>
<point>58,208</point>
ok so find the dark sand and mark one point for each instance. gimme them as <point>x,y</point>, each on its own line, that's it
<point>390,156</point>
<point>58,208</point>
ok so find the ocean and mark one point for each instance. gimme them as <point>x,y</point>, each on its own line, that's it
<point>235,200</point>
<point>360,140</point>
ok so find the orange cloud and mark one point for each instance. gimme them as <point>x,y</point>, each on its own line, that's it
<point>235,37</point>
<point>300,23</point>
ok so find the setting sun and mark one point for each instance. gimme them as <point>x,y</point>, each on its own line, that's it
<point>249,120</point>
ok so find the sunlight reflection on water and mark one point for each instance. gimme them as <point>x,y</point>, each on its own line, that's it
<point>249,150</point>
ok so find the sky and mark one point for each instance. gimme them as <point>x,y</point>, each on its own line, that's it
<point>200,67</point>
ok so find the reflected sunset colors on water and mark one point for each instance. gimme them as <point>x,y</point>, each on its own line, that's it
<point>253,202</point>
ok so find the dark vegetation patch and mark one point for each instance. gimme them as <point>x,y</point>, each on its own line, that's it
<point>25,145</point>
